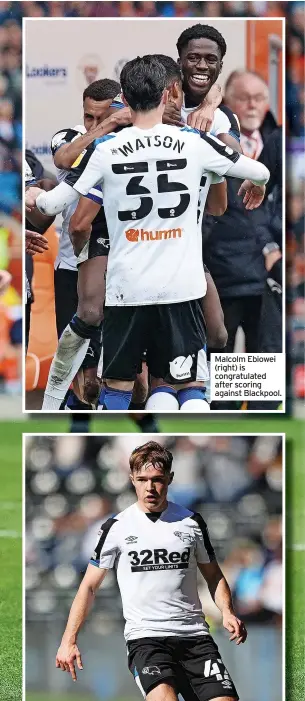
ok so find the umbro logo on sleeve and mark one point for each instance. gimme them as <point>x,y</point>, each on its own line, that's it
<point>131,539</point>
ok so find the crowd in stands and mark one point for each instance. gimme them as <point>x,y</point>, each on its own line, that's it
<point>10,199</point>
<point>11,14</point>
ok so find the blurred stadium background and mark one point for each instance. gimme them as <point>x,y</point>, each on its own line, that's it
<point>74,483</point>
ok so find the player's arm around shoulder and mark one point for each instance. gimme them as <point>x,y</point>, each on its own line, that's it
<point>221,595</point>
<point>68,652</point>
<point>230,135</point>
<point>93,173</point>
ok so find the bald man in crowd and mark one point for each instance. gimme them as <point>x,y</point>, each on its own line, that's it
<point>240,246</point>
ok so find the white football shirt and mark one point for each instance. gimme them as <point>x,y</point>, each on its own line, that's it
<point>224,122</point>
<point>151,183</point>
<point>156,567</point>
<point>65,258</point>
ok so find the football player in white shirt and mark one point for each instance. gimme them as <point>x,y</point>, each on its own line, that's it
<point>83,291</point>
<point>155,547</point>
<point>201,50</point>
<point>216,203</point>
<point>86,211</point>
<point>154,277</point>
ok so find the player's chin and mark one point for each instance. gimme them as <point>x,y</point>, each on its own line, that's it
<point>152,502</point>
<point>199,89</point>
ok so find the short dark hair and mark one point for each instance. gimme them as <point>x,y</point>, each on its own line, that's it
<point>201,31</point>
<point>151,452</point>
<point>173,70</point>
<point>143,81</point>
<point>104,89</point>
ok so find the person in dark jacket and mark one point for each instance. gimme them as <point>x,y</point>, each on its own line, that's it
<point>234,249</point>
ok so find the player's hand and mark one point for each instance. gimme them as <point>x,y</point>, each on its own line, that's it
<point>66,656</point>
<point>201,118</point>
<point>31,197</point>
<point>172,116</point>
<point>35,243</point>
<point>235,627</point>
<point>121,117</point>
<point>272,258</point>
<point>5,281</point>
<point>253,195</point>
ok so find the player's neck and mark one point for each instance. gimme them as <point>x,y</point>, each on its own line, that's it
<point>161,507</point>
<point>147,120</point>
<point>191,100</point>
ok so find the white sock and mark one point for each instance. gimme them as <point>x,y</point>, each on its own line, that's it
<point>161,401</point>
<point>67,360</point>
<point>195,405</point>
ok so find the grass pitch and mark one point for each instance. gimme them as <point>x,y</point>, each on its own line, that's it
<point>11,520</point>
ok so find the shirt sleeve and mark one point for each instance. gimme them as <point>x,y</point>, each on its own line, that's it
<point>93,173</point>
<point>107,548</point>
<point>204,549</point>
<point>216,156</point>
<point>29,177</point>
<point>78,168</point>
<point>65,136</point>
<point>221,159</point>
<point>226,123</point>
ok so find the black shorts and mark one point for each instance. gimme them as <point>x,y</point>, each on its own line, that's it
<point>66,298</point>
<point>66,301</point>
<point>192,665</point>
<point>98,245</point>
<point>172,334</point>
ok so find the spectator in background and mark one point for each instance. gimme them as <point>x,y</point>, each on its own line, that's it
<point>234,251</point>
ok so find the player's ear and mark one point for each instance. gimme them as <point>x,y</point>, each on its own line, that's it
<point>131,477</point>
<point>221,64</point>
<point>124,101</point>
<point>165,96</point>
<point>175,90</point>
<point>171,477</point>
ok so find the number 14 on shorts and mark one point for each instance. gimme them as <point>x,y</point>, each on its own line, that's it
<point>211,668</point>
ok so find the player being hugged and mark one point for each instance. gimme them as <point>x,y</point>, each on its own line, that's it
<point>156,547</point>
<point>150,175</point>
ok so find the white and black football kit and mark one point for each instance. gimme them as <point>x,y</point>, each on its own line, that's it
<point>151,184</point>
<point>66,264</point>
<point>151,181</point>
<point>155,557</point>
<point>224,120</point>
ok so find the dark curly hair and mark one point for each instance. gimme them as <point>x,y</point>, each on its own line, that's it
<point>104,89</point>
<point>143,81</point>
<point>201,31</point>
